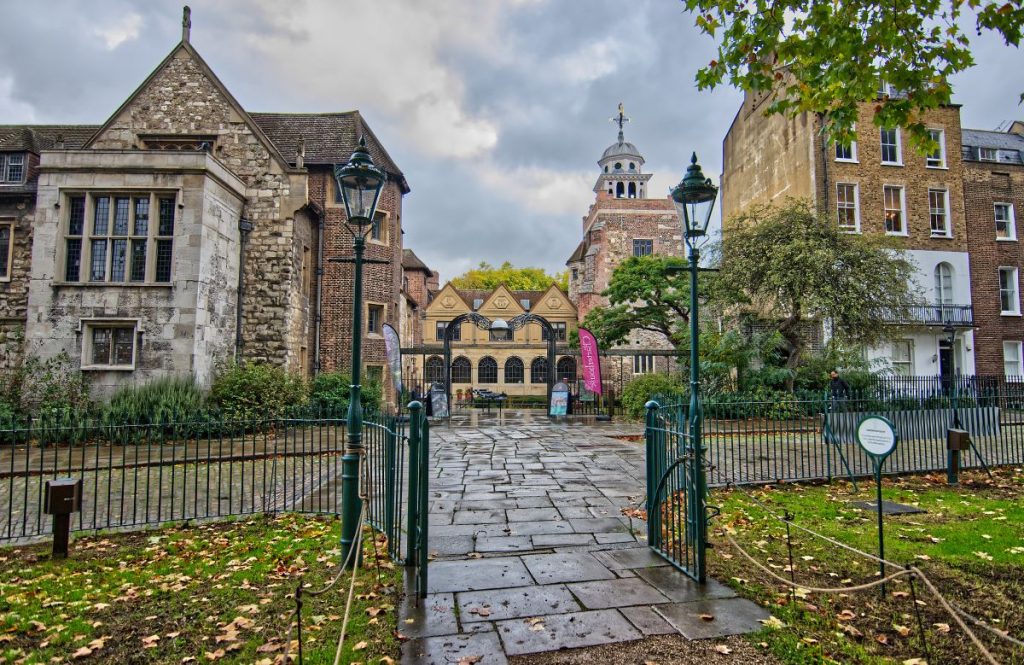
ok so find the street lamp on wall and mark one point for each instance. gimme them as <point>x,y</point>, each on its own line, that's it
<point>694,199</point>
<point>359,183</point>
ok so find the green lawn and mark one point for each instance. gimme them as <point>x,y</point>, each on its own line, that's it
<point>215,592</point>
<point>970,542</point>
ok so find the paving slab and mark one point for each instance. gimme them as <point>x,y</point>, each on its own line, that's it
<point>598,525</point>
<point>614,538</point>
<point>503,544</point>
<point>433,615</point>
<point>502,604</point>
<point>603,594</point>
<point>541,541</point>
<point>633,557</point>
<point>449,545</point>
<point>647,621</point>
<point>477,574</point>
<point>565,631</point>
<point>533,515</point>
<point>450,649</point>
<point>679,588</point>
<point>731,616</point>
<point>479,517</point>
<point>566,567</point>
<point>539,528</point>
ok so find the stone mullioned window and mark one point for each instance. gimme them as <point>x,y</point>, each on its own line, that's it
<point>119,237</point>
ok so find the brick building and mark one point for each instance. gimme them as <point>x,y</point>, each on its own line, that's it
<point>993,197</point>
<point>879,185</point>
<point>623,222</point>
<point>185,231</point>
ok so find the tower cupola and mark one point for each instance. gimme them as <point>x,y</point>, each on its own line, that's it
<point>622,175</point>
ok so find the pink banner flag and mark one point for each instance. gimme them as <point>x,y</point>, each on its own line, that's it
<point>591,361</point>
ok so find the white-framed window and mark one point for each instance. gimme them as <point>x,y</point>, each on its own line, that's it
<point>847,152</point>
<point>12,167</point>
<point>6,249</point>
<point>938,212</point>
<point>1009,291</point>
<point>374,319</point>
<point>120,238</point>
<point>943,284</point>
<point>891,152</point>
<point>848,207</point>
<point>1006,225</point>
<point>643,364</point>
<point>642,247</point>
<point>1013,360</point>
<point>109,345</point>
<point>937,159</point>
<point>894,205</point>
<point>902,358</point>
<point>379,227</point>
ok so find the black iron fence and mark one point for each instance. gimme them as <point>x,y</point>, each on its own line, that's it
<point>134,475</point>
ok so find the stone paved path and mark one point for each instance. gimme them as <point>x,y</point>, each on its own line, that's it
<point>531,551</point>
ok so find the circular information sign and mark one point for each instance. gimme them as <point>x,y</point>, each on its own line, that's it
<point>876,436</point>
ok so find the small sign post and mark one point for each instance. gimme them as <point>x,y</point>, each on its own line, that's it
<point>559,400</point>
<point>877,436</point>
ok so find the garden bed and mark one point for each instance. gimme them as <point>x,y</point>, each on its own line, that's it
<point>215,592</point>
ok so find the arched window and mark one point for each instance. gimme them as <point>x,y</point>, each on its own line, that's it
<point>487,370</point>
<point>539,370</point>
<point>513,370</point>
<point>620,190</point>
<point>462,370</point>
<point>944,284</point>
<point>632,166</point>
<point>632,190</point>
<point>566,369</point>
<point>434,370</point>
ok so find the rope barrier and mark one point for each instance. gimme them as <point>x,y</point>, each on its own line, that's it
<point>953,611</point>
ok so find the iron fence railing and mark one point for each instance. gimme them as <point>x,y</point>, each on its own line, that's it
<point>933,315</point>
<point>134,475</point>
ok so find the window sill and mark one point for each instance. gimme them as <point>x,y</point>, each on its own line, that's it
<point>108,368</point>
<point>941,236</point>
<point>897,234</point>
<point>1013,239</point>
<point>119,285</point>
<point>1009,313</point>
<point>892,163</point>
<point>937,168</point>
<point>847,161</point>
<point>852,232</point>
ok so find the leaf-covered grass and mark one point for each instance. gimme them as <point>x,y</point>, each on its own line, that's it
<point>215,592</point>
<point>970,543</point>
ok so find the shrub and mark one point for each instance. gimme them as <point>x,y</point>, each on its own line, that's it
<point>256,391</point>
<point>642,389</point>
<point>50,390</point>
<point>165,400</point>
<point>329,393</point>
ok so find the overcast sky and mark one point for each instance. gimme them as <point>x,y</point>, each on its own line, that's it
<point>496,110</point>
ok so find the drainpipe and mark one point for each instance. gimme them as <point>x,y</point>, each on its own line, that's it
<point>319,291</point>
<point>245,227</point>
<point>823,207</point>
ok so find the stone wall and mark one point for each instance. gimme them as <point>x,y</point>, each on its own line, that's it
<point>182,99</point>
<point>19,211</point>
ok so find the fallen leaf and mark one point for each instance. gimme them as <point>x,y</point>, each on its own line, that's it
<point>915,661</point>
<point>721,648</point>
<point>941,627</point>
<point>773,622</point>
<point>82,652</point>
<point>470,660</point>
<point>360,646</point>
<point>904,631</point>
<point>215,655</point>
<point>150,642</point>
<point>846,615</point>
<point>900,594</point>
<point>851,630</point>
<point>882,639</point>
<point>707,617</point>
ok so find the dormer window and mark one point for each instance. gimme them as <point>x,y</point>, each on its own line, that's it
<point>12,167</point>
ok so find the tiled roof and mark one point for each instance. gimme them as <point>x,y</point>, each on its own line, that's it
<point>330,138</point>
<point>471,295</point>
<point>980,138</point>
<point>412,262</point>
<point>577,254</point>
<point>33,138</point>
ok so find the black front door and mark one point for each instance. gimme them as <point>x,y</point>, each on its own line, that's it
<point>946,369</point>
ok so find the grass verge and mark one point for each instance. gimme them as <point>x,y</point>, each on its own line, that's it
<point>217,592</point>
<point>969,542</point>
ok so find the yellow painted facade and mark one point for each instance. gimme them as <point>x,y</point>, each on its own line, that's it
<point>476,347</point>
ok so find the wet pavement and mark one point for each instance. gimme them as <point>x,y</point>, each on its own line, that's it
<point>531,551</point>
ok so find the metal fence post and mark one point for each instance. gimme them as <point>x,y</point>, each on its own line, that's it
<point>415,423</point>
<point>653,477</point>
<point>424,510</point>
<point>391,498</point>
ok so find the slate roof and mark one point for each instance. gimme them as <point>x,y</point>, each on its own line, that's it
<point>577,254</point>
<point>412,262</point>
<point>33,138</point>
<point>330,138</point>
<point>980,138</point>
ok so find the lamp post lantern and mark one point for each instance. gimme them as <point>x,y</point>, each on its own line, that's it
<point>359,183</point>
<point>694,199</point>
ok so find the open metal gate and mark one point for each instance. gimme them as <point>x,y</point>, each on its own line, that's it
<point>676,490</point>
<point>419,504</point>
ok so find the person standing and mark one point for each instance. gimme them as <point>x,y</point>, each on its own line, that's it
<point>838,388</point>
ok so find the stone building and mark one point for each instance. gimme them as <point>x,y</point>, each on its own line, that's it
<point>993,198</point>
<point>623,222</point>
<point>512,362</point>
<point>186,231</point>
<point>878,184</point>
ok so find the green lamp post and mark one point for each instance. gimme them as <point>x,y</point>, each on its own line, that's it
<point>694,198</point>
<point>359,183</point>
